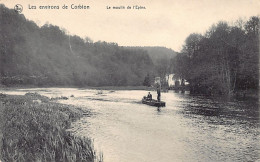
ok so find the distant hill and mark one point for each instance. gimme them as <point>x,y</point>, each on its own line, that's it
<point>162,59</point>
<point>157,53</point>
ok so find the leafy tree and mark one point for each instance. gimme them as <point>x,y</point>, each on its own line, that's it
<point>222,61</point>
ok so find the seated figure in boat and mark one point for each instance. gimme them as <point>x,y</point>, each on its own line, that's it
<point>149,96</point>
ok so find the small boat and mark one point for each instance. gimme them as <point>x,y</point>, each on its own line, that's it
<point>153,102</point>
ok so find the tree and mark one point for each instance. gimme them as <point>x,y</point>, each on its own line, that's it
<point>222,61</point>
<point>147,80</point>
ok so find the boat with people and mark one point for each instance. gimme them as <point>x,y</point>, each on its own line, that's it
<point>152,102</point>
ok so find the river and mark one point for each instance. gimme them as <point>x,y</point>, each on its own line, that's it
<point>189,128</point>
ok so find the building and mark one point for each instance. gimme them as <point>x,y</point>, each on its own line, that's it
<point>173,80</point>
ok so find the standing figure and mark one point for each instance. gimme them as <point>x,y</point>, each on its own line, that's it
<point>158,85</point>
<point>158,93</point>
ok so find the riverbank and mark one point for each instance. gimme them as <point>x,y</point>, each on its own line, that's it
<point>86,87</point>
<point>34,129</point>
<point>1,128</point>
<point>122,88</point>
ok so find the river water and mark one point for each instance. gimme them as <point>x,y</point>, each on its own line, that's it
<point>189,128</point>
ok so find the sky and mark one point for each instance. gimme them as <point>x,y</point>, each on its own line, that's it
<point>162,23</point>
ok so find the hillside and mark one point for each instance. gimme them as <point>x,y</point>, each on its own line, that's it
<point>47,56</point>
<point>157,53</point>
<point>161,57</point>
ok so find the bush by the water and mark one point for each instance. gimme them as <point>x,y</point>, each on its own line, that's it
<point>37,131</point>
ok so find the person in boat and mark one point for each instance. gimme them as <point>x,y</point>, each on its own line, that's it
<point>149,96</point>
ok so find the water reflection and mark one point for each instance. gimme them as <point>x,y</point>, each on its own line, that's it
<point>158,110</point>
<point>242,111</point>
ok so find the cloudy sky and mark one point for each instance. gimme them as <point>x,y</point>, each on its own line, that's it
<point>163,22</point>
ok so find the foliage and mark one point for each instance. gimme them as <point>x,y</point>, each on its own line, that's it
<point>37,131</point>
<point>223,61</point>
<point>47,56</point>
<point>147,81</point>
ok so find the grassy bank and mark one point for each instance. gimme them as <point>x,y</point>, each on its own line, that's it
<point>34,129</point>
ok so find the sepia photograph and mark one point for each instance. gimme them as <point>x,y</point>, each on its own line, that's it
<point>129,81</point>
